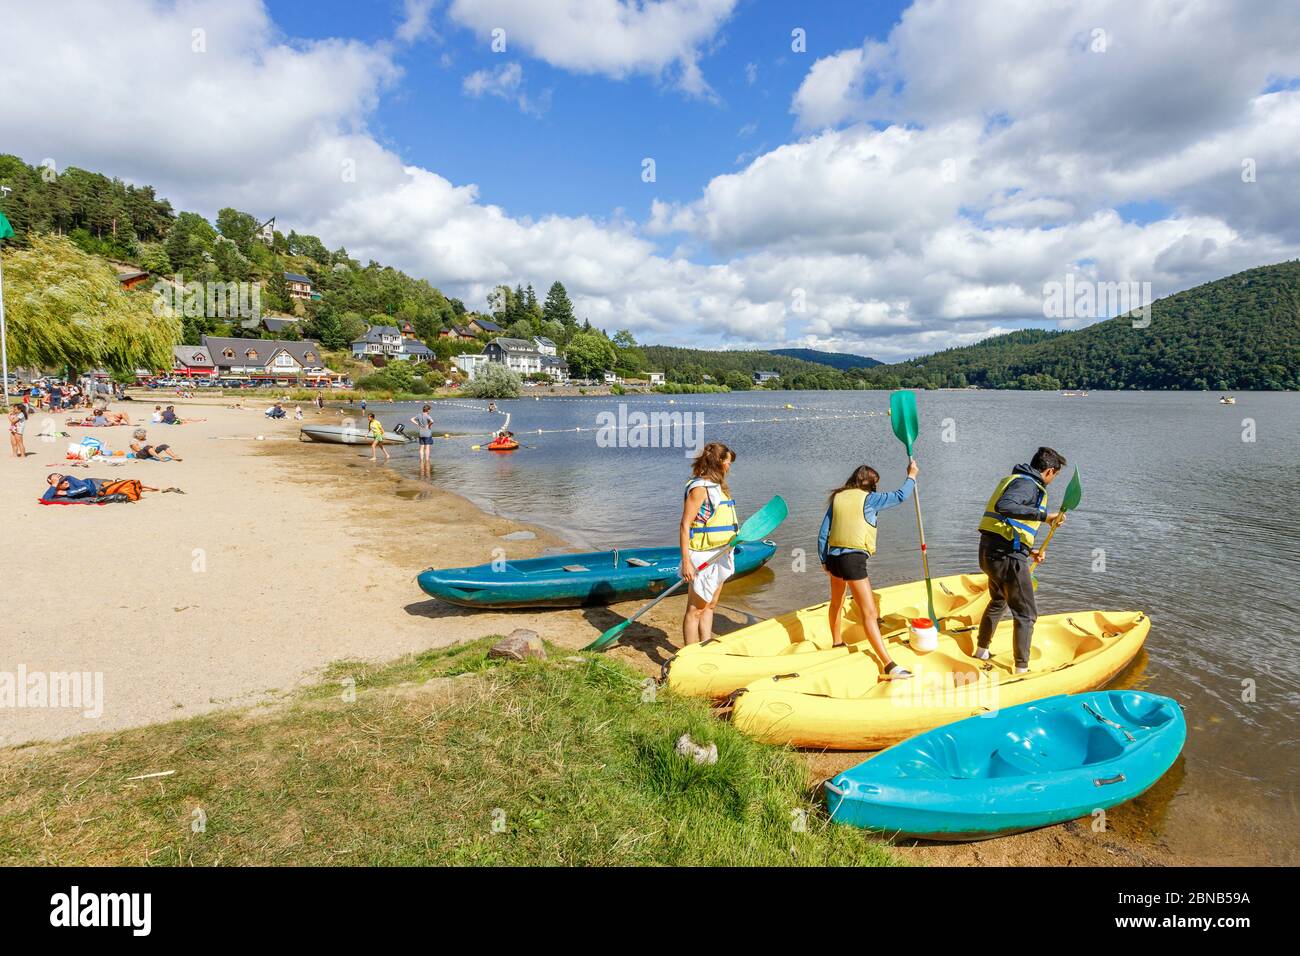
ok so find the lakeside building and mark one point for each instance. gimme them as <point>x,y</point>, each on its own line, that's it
<point>518,355</point>
<point>760,377</point>
<point>545,346</point>
<point>392,342</point>
<point>556,367</point>
<point>470,363</point>
<point>611,378</point>
<point>457,333</point>
<point>484,327</point>
<point>192,361</point>
<point>266,360</point>
<point>656,378</point>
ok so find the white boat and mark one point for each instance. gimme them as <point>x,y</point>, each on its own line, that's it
<point>1227,400</point>
<point>346,435</point>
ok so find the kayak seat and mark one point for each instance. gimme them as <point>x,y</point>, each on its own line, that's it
<point>637,562</point>
<point>1136,711</point>
<point>576,568</point>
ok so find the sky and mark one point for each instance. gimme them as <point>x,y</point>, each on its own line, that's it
<point>884,178</point>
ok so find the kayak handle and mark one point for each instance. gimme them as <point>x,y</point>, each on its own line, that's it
<point>834,789</point>
<point>1104,781</point>
<point>784,676</point>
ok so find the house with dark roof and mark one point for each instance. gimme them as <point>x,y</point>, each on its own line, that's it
<point>484,327</point>
<point>458,333</point>
<point>378,340</point>
<point>192,361</point>
<point>556,367</point>
<point>518,355</point>
<point>267,360</point>
<point>761,376</point>
<point>545,345</point>
<point>415,351</point>
<point>299,286</point>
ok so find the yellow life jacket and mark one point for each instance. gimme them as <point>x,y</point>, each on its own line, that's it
<point>715,524</point>
<point>1020,532</point>
<point>849,527</point>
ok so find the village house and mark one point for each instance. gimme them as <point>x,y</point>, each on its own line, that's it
<point>518,355</point>
<point>761,377</point>
<point>458,333</point>
<point>299,286</point>
<point>378,340</point>
<point>191,362</point>
<point>266,360</point>
<point>545,345</point>
<point>481,326</point>
<point>471,363</point>
<point>556,367</point>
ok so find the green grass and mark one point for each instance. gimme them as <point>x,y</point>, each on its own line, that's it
<point>442,758</point>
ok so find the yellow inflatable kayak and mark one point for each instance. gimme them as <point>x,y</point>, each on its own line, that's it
<point>802,639</point>
<point>846,705</point>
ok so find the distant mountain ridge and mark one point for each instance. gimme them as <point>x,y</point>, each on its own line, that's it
<point>839,360</point>
<point>1238,332</point>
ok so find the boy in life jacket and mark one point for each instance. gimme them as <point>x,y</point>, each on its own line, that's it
<point>846,542</point>
<point>1008,529</point>
<point>708,524</point>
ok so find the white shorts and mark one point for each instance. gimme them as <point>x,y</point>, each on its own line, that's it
<point>709,582</point>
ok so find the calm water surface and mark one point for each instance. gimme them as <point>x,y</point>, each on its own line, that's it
<point>1189,513</point>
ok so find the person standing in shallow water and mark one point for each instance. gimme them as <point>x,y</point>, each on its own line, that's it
<point>424,421</point>
<point>708,524</point>
<point>376,429</point>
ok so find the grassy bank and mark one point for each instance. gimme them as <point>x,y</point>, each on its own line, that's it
<point>444,758</point>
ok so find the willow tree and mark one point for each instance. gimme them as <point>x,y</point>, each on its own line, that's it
<point>65,308</point>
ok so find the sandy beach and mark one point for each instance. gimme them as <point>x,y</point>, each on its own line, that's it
<point>283,557</point>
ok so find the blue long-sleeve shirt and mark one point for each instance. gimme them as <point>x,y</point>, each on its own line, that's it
<point>77,488</point>
<point>875,502</point>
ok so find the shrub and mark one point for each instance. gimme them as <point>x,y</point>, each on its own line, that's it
<point>494,381</point>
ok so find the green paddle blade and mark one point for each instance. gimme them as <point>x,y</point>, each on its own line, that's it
<point>1073,493</point>
<point>903,417</point>
<point>763,521</point>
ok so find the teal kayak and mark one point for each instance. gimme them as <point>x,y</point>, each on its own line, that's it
<point>573,580</point>
<point>1020,768</point>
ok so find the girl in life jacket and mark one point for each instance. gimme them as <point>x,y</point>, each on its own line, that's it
<point>846,542</point>
<point>708,524</point>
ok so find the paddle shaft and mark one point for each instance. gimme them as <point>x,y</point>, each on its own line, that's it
<point>680,581</point>
<point>925,556</point>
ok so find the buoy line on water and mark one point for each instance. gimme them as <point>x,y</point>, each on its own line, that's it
<point>648,427</point>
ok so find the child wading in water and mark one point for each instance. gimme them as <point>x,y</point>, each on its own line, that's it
<point>376,429</point>
<point>847,540</point>
<point>708,524</point>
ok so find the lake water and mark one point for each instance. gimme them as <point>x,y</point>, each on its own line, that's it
<point>1188,513</point>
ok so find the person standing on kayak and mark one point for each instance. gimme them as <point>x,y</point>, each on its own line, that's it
<point>1008,530</point>
<point>846,541</point>
<point>708,524</point>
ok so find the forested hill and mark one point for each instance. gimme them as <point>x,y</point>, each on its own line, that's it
<point>1239,332</point>
<point>837,360</point>
<point>690,365</point>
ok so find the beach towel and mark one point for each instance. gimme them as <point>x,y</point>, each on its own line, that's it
<point>101,500</point>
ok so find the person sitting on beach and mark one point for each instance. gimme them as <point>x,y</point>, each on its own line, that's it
<point>156,417</point>
<point>147,452</point>
<point>275,411</point>
<point>169,416</point>
<point>376,429</point>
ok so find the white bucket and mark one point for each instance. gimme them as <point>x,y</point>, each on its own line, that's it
<point>925,636</point>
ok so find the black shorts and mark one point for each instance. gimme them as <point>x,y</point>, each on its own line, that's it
<point>426,439</point>
<point>850,566</point>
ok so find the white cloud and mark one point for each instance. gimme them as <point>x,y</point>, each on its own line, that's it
<point>751,73</point>
<point>614,38</point>
<point>936,227</point>
<point>506,82</point>
<point>416,20</point>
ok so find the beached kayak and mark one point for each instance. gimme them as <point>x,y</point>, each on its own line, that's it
<point>573,580</point>
<point>345,435</point>
<point>847,705</point>
<point>802,639</point>
<point>1027,766</point>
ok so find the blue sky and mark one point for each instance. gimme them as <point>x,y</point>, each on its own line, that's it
<point>583,154</point>
<point>917,179</point>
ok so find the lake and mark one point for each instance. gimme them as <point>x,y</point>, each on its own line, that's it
<point>1188,514</point>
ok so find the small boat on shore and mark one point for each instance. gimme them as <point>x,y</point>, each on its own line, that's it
<point>573,580</point>
<point>1227,400</point>
<point>1023,767</point>
<point>346,435</point>
<point>848,704</point>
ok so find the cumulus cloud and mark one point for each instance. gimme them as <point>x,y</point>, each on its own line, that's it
<point>614,38</point>
<point>926,205</point>
<point>506,82</point>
